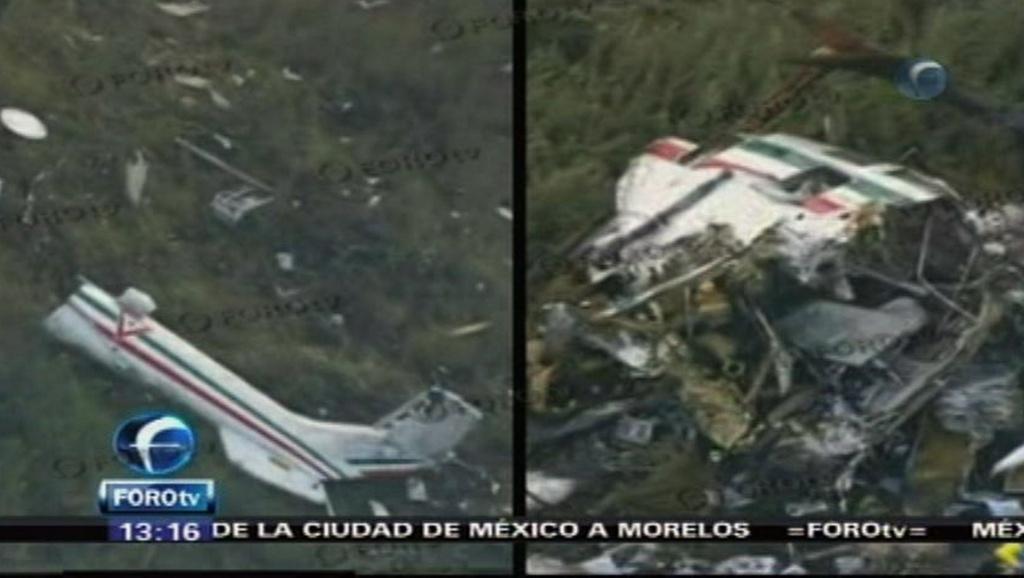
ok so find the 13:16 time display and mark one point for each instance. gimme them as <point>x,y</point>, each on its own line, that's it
<point>149,530</point>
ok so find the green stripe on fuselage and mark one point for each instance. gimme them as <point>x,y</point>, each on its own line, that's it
<point>877,192</point>
<point>779,153</point>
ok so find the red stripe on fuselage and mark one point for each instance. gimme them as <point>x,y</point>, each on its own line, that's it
<point>820,204</point>
<point>171,374</point>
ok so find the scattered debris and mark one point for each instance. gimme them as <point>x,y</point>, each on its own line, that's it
<point>635,431</point>
<point>224,141</point>
<point>288,74</point>
<point>378,509</point>
<point>543,490</point>
<point>219,100</point>
<point>183,10</point>
<point>849,334</point>
<point>371,4</point>
<point>215,161</point>
<point>775,307</point>
<point>416,489</point>
<point>285,261</point>
<point>749,565</point>
<point>23,123</point>
<point>470,329</point>
<point>232,205</point>
<point>192,81</point>
<point>135,171</point>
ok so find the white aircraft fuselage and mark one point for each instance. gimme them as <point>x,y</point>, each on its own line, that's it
<point>260,435</point>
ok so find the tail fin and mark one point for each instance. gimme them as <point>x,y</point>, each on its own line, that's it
<point>430,424</point>
<point>418,434</point>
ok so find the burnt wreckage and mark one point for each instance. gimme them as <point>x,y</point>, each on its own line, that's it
<point>774,307</point>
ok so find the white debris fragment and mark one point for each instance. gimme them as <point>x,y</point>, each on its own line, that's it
<point>232,205</point>
<point>540,565</point>
<point>291,75</point>
<point>374,201</point>
<point>850,565</point>
<point>505,213</point>
<point>621,559</point>
<point>212,159</point>
<point>135,171</point>
<point>470,329</point>
<point>183,10</point>
<point>998,221</point>
<point>415,490</point>
<point>544,490</point>
<point>798,509</point>
<point>192,81</point>
<point>285,261</point>
<point>1009,462</point>
<point>371,4</point>
<point>994,249</point>
<point>23,123</point>
<point>761,565</point>
<point>87,36</point>
<point>223,140</point>
<point>378,509</point>
<point>219,99</point>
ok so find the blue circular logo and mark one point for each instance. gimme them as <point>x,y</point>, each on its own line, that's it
<point>921,79</point>
<point>155,443</point>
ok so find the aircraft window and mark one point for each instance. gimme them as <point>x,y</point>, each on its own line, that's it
<point>813,181</point>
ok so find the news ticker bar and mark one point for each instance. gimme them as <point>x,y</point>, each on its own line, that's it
<point>192,529</point>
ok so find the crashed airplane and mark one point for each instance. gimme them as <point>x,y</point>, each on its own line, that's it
<point>268,441</point>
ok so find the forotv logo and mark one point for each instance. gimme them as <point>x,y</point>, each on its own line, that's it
<point>155,443</point>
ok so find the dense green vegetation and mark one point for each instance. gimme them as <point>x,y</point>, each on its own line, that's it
<point>431,254</point>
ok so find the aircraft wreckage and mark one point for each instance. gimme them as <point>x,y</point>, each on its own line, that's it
<point>774,306</point>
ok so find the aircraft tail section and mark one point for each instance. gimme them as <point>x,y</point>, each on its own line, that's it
<point>272,469</point>
<point>430,424</point>
<point>415,436</point>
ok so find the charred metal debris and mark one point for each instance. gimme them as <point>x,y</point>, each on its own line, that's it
<point>776,307</point>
